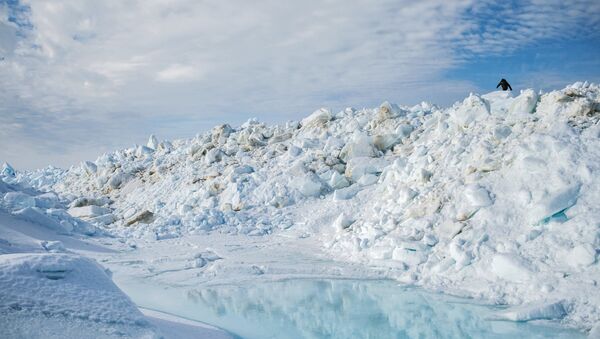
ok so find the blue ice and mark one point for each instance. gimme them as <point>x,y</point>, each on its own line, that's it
<point>338,309</point>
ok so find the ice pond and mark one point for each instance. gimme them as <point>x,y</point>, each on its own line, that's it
<point>325,308</point>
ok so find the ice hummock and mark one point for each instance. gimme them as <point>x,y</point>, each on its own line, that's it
<point>494,197</point>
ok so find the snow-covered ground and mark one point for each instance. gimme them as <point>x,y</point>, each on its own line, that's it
<point>50,287</point>
<point>493,198</point>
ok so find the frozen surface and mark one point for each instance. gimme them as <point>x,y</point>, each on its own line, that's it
<point>54,295</point>
<point>179,328</point>
<point>337,309</point>
<point>50,288</point>
<point>494,198</point>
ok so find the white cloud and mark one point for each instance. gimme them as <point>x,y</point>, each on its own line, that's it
<point>178,67</point>
<point>177,73</point>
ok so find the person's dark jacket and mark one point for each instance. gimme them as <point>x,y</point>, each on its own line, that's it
<point>505,85</point>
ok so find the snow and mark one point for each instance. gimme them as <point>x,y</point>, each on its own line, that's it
<point>18,200</point>
<point>477,196</point>
<point>474,108</point>
<point>555,202</point>
<point>510,267</point>
<point>175,327</point>
<point>29,282</point>
<point>548,310</point>
<point>524,104</point>
<point>359,145</point>
<point>342,222</point>
<point>51,291</point>
<point>7,170</point>
<point>49,283</point>
<point>318,118</point>
<point>152,142</point>
<point>580,256</point>
<point>494,198</point>
<point>52,287</point>
<point>89,167</point>
<point>88,211</point>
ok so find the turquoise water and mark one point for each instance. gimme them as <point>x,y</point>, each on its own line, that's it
<point>337,309</point>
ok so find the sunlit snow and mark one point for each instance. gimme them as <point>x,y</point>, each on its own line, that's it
<point>494,199</point>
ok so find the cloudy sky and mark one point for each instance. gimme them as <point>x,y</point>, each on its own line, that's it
<point>78,78</point>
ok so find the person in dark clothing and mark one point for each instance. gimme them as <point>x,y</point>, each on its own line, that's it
<point>505,85</point>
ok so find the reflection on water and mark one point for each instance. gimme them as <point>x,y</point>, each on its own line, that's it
<point>341,309</point>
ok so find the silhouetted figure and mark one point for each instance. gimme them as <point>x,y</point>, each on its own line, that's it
<point>505,85</point>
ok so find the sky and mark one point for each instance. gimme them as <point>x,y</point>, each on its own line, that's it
<point>80,78</point>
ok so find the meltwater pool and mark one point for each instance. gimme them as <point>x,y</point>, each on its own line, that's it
<point>324,308</point>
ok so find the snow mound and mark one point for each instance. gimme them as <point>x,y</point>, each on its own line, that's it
<point>65,284</point>
<point>55,287</point>
<point>46,209</point>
